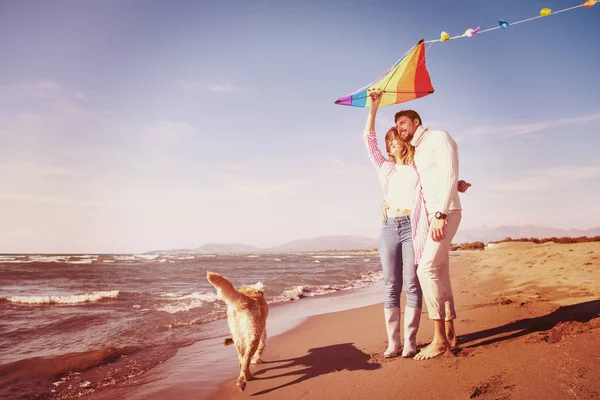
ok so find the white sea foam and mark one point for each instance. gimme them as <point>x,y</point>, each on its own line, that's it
<point>258,286</point>
<point>124,258</point>
<point>184,302</point>
<point>65,299</point>
<point>180,306</point>
<point>85,261</point>
<point>297,292</point>
<point>40,258</point>
<point>147,256</point>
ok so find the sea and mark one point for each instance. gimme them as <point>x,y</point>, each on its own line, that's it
<point>74,326</point>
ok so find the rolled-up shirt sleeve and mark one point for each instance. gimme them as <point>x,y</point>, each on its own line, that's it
<point>373,151</point>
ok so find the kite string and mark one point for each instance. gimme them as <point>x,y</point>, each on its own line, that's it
<point>512,23</point>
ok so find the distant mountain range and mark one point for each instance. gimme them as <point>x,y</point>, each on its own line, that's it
<point>322,243</point>
<point>346,242</point>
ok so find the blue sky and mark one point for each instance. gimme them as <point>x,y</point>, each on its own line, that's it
<point>141,125</point>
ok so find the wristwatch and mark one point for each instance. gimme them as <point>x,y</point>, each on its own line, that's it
<point>439,215</point>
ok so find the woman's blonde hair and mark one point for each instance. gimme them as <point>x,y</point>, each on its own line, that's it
<point>407,151</point>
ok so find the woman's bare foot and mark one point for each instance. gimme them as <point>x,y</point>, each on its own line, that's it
<point>434,349</point>
<point>451,334</point>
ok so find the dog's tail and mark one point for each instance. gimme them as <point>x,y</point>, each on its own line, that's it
<point>225,289</point>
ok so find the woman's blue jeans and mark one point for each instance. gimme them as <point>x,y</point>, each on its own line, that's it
<point>397,256</point>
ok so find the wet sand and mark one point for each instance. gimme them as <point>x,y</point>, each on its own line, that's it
<point>528,323</point>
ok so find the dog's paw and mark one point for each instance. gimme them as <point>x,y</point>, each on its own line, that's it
<point>241,383</point>
<point>257,361</point>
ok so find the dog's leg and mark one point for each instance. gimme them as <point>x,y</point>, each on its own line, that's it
<point>245,374</point>
<point>240,352</point>
<point>256,359</point>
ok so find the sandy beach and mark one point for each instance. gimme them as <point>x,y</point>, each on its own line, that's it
<point>528,319</point>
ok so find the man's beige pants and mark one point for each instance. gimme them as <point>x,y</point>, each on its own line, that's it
<point>434,271</point>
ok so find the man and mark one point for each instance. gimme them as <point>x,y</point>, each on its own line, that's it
<point>436,160</point>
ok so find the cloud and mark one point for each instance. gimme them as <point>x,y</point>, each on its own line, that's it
<point>24,169</point>
<point>80,96</point>
<point>202,86</point>
<point>40,89</point>
<point>227,87</point>
<point>548,179</point>
<point>169,130</point>
<point>25,197</point>
<point>505,131</point>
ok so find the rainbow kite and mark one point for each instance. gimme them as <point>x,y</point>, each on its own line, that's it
<point>406,80</point>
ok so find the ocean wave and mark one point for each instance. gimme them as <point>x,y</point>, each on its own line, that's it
<point>84,261</point>
<point>180,257</point>
<point>64,299</point>
<point>124,258</point>
<point>180,307</point>
<point>209,297</point>
<point>185,302</point>
<point>301,291</point>
<point>258,286</point>
<point>82,373</point>
<point>148,257</point>
<point>33,259</point>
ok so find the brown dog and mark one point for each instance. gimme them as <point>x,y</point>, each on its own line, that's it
<point>247,312</point>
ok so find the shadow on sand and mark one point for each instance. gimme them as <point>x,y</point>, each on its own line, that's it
<point>319,361</point>
<point>581,312</point>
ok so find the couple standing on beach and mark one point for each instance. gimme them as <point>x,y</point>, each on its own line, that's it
<point>421,214</point>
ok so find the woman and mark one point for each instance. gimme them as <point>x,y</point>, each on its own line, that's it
<point>399,181</point>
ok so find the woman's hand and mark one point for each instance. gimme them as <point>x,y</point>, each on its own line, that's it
<point>384,208</point>
<point>375,100</point>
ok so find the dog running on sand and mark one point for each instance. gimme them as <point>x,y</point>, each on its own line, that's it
<point>247,312</point>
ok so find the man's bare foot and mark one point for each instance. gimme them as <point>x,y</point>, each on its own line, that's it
<point>451,334</point>
<point>434,349</point>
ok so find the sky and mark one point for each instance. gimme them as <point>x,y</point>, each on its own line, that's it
<point>145,125</point>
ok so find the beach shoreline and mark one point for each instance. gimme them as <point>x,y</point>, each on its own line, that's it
<point>197,370</point>
<point>528,318</point>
